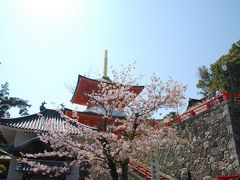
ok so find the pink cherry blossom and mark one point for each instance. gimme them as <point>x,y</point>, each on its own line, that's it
<point>121,143</point>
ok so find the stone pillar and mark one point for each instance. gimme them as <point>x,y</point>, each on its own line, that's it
<point>74,174</point>
<point>12,174</point>
<point>184,174</point>
<point>154,166</point>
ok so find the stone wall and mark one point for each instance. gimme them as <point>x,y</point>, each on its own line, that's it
<point>213,147</point>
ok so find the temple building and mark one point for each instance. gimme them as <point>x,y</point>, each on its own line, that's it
<point>22,136</point>
<point>22,133</point>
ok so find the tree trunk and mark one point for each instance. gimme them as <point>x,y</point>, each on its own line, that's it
<point>124,167</point>
<point>113,169</point>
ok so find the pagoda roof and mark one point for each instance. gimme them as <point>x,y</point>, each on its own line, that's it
<point>35,122</point>
<point>89,118</point>
<point>87,86</point>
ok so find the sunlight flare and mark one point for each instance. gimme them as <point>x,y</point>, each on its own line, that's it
<point>50,8</point>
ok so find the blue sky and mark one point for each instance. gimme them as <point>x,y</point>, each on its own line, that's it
<point>45,44</point>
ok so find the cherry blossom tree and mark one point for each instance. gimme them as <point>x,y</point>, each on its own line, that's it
<point>113,149</point>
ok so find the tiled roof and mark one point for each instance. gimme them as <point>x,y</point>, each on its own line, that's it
<point>35,122</point>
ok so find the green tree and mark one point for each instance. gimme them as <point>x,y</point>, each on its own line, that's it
<point>2,168</point>
<point>205,80</point>
<point>171,115</point>
<point>6,102</point>
<point>219,79</point>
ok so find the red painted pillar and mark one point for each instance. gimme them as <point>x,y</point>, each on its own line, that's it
<point>208,104</point>
<point>178,118</point>
<point>192,113</point>
<point>145,173</point>
<point>226,96</point>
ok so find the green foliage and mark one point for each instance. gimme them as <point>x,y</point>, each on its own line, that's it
<point>170,115</point>
<point>6,102</point>
<point>2,168</point>
<point>205,81</point>
<point>218,79</point>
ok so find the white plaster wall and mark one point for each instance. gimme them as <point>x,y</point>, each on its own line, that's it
<point>20,138</point>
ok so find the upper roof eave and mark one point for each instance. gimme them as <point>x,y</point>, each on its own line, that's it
<point>73,100</point>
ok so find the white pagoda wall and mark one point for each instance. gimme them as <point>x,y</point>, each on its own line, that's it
<point>20,137</point>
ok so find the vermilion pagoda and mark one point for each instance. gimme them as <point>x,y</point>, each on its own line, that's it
<point>86,86</point>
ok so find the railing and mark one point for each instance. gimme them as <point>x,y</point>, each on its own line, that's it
<point>144,172</point>
<point>227,177</point>
<point>225,96</point>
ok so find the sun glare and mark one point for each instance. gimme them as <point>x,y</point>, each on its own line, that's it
<point>49,8</point>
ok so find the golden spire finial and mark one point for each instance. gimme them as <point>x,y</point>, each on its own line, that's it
<point>105,65</point>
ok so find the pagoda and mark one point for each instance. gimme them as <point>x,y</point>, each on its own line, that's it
<point>22,133</point>
<point>86,86</point>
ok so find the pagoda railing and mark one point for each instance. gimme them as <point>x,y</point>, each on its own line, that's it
<point>225,96</point>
